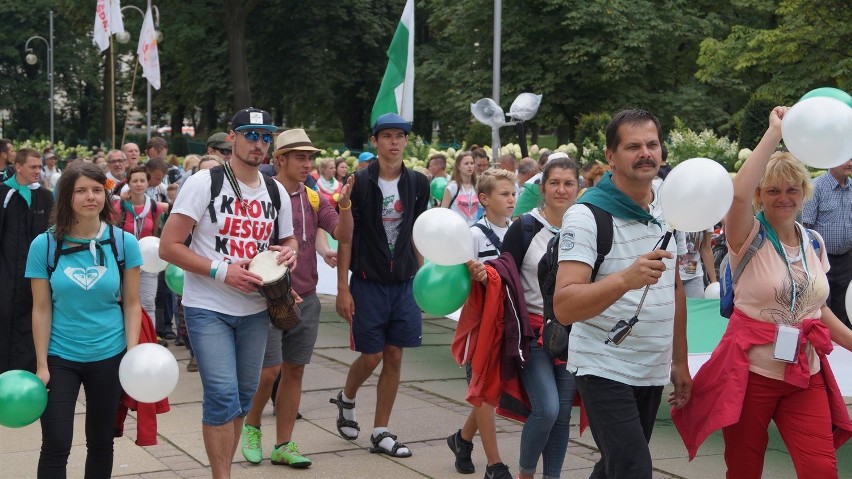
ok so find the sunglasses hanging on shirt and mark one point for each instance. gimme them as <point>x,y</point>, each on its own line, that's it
<point>623,328</point>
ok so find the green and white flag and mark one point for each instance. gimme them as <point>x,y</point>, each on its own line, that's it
<point>396,95</point>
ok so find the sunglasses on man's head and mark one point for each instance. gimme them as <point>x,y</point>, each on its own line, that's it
<point>252,136</point>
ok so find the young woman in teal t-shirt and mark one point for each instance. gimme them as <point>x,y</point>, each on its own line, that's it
<point>80,330</point>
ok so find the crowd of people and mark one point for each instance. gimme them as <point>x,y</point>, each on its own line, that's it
<point>620,284</point>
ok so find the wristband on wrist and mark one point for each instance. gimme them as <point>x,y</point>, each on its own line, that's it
<point>346,208</point>
<point>213,269</point>
<point>222,271</point>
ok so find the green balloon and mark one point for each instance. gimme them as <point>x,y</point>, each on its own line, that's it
<point>174,279</point>
<point>23,398</point>
<point>830,93</point>
<point>440,290</point>
<point>437,187</point>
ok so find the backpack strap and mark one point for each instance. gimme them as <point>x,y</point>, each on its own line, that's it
<point>528,223</point>
<point>155,219</point>
<point>458,190</point>
<point>275,196</point>
<point>313,199</point>
<point>603,221</point>
<point>492,237</point>
<point>755,245</point>
<point>52,254</point>
<point>115,242</point>
<point>814,241</point>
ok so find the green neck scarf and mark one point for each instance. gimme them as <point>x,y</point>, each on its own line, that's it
<point>772,236</point>
<point>22,190</point>
<point>607,197</point>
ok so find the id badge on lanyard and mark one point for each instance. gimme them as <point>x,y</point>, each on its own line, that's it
<point>786,343</point>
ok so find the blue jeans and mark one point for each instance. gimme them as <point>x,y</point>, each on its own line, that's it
<point>229,350</point>
<point>551,390</point>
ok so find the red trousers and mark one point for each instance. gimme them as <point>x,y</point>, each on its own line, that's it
<point>803,419</point>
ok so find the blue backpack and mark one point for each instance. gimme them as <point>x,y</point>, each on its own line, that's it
<point>729,278</point>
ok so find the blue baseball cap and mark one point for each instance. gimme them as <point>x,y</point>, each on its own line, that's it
<point>366,156</point>
<point>391,120</point>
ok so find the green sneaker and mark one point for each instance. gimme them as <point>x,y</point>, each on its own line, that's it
<point>250,441</point>
<point>289,455</point>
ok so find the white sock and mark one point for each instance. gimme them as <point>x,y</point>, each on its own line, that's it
<point>387,443</point>
<point>350,415</point>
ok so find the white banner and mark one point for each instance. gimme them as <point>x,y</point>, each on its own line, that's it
<point>147,51</point>
<point>107,21</point>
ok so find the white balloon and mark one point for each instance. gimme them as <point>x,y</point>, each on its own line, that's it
<point>148,373</point>
<point>713,291</point>
<point>818,131</point>
<point>149,247</point>
<point>848,301</point>
<point>696,195</point>
<point>443,237</point>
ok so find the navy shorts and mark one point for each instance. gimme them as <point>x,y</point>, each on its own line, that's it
<point>385,314</point>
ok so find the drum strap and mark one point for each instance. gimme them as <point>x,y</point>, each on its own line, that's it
<point>271,189</point>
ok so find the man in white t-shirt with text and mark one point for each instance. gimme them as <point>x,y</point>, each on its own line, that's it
<point>225,314</point>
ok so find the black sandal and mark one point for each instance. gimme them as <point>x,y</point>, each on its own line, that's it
<point>394,452</point>
<point>342,421</point>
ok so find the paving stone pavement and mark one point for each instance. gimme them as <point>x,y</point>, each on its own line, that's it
<point>430,406</point>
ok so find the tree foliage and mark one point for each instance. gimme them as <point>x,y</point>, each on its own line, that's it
<point>805,45</point>
<point>319,64</point>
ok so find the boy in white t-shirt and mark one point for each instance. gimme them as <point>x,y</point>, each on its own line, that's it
<point>496,191</point>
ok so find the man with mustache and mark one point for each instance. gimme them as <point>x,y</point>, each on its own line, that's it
<point>621,374</point>
<point>225,314</point>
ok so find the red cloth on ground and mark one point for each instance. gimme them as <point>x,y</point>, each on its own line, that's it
<point>719,386</point>
<point>146,413</point>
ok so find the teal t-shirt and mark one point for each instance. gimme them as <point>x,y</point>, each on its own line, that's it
<point>88,324</point>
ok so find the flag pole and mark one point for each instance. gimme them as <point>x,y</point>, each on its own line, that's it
<point>129,106</point>
<point>112,89</point>
<point>495,85</point>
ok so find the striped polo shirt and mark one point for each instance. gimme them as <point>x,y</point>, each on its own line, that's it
<point>644,357</point>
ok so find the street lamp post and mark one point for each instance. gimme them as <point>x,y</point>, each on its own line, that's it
<point>124,37</point>
<point>32,59</point>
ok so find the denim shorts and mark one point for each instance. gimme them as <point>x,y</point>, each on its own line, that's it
<point>385,314</point>
<point>295,346</point>
<point>229,351</point>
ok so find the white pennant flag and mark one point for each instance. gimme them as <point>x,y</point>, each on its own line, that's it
<point>107,21</point>
<point>147,51</point>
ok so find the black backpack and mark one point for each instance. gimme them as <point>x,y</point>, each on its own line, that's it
<point>217,178</point>
<point>115,242</point>
<point>555,335</point>
<point>492,237</point>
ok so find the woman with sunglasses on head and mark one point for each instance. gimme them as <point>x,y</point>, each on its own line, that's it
<point>549,385</point>
<point>771,363</point>
<point>80,329</point>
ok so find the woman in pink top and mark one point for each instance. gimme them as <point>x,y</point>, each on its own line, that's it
<point>753,377</point>
<point>140,215</point>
